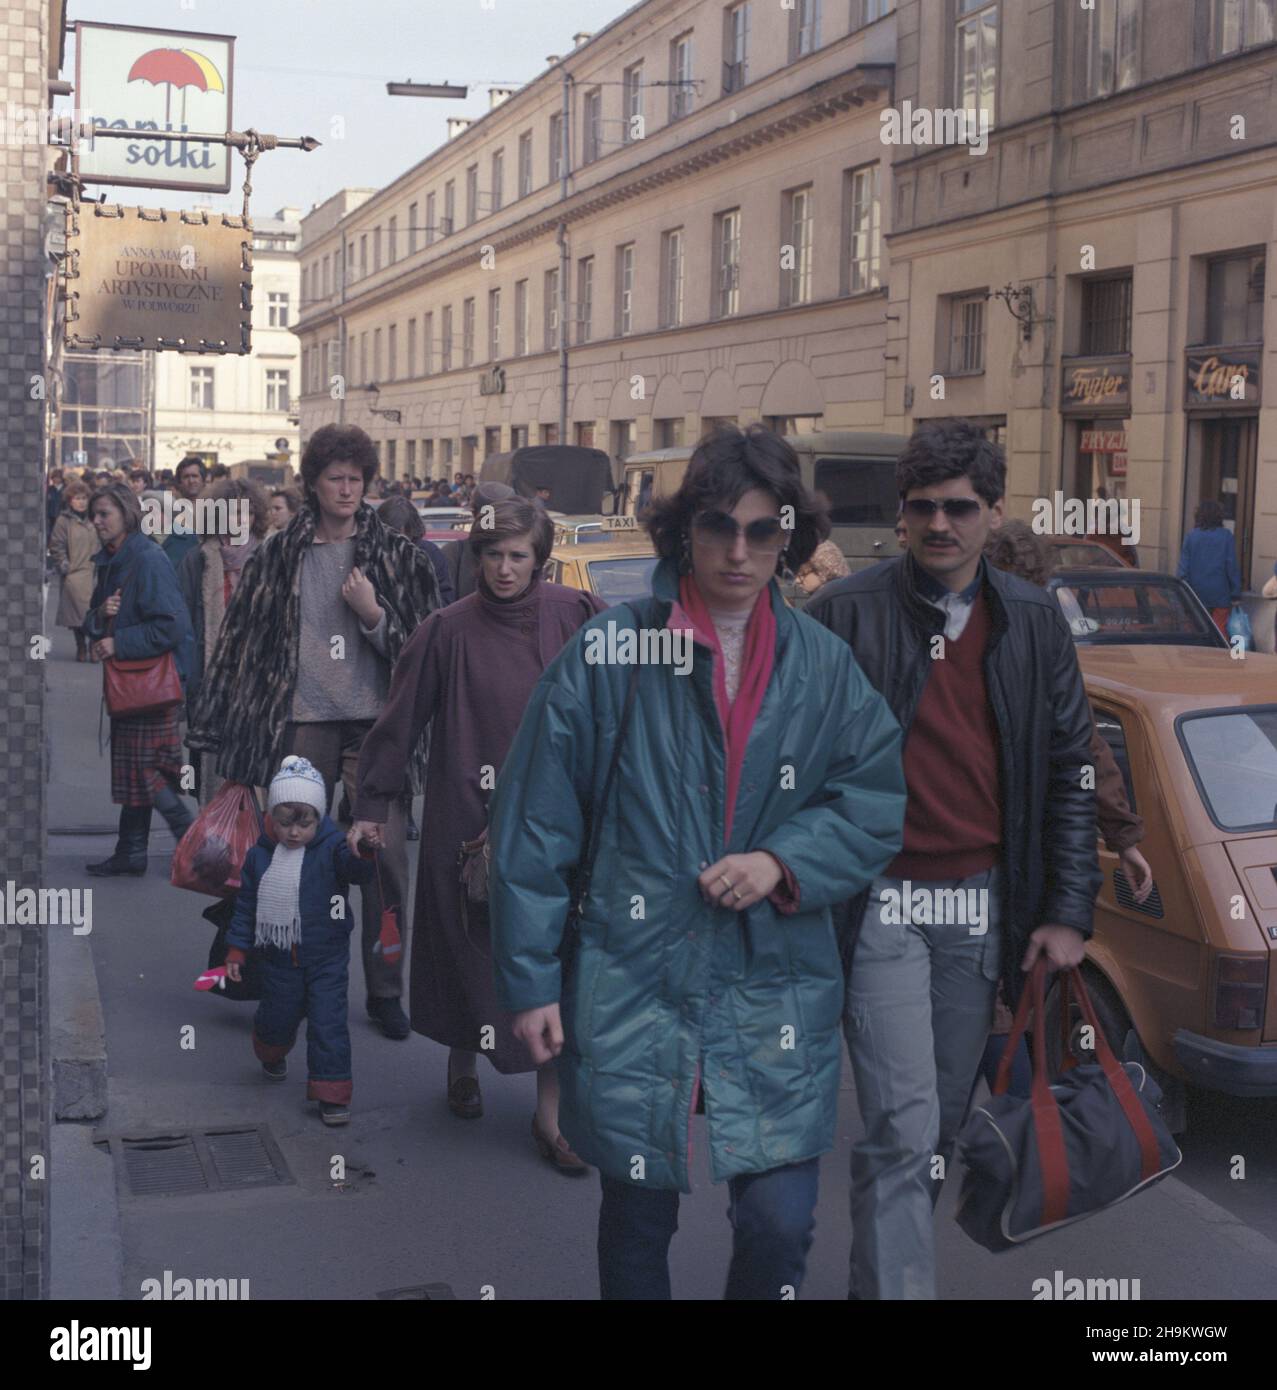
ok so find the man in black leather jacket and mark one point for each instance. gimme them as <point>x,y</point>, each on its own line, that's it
<point>999,863</point>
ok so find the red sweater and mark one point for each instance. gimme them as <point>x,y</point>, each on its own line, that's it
<point>953,819</point>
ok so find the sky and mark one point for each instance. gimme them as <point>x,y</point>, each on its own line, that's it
<point>301,63</point>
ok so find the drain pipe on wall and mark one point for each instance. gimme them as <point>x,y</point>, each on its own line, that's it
<point>563,332</point>
<point>564,262</point>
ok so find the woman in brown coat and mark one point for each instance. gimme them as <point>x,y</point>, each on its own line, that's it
<point>73,544</point>
<point>469,671</point>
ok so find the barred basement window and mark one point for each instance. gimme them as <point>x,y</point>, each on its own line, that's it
<point>1106,316</point>
<point>966,339</point>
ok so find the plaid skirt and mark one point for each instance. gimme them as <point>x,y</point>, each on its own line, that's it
<point>146,753</point>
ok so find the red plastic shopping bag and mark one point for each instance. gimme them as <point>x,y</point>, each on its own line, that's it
<point>209,857</point>
<point>389,942</point>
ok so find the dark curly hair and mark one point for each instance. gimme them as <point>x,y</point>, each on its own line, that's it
<point>726,464</point>
<point>1017,548</point>
<point>942,449</point>
<point>1209,515</point>
<point>338,443</point>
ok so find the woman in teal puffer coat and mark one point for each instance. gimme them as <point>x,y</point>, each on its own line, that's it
<point>758,785</point>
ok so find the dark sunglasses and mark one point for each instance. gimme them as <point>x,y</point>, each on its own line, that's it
<point>955,508</point>
<point>718,528</point>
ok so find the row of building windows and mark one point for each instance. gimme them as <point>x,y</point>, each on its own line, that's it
<point>200,394</point>
<point>860,272</point>
<point>384,246</point>
<point>1233,304</point>
<point>1112,39</point>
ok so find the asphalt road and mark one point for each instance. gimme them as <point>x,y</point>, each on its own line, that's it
<point>431,1199</point>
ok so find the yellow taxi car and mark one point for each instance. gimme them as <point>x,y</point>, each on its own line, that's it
<point>613,570</point>
<point>1191,972</point>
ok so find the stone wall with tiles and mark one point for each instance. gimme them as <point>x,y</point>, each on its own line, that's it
<point>24,1084</point>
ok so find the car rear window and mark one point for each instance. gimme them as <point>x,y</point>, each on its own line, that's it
<point>1097,555</point>
<point>1233,756</point>
<point>1133,613</point>
<point>615,581</point>
<point>861,491</point>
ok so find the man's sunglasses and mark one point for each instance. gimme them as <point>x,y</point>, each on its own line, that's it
<point>955,508</point>
<point>718,528</point>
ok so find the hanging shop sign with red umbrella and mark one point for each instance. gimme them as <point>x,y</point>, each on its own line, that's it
<point>130,78</point>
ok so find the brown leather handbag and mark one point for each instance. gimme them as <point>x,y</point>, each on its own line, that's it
<point>140,685</point>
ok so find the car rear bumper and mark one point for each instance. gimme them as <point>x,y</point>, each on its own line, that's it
<point>1218,1066</point>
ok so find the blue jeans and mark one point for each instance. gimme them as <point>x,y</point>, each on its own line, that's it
<point>773,1216</point>
<point>919,1004</point>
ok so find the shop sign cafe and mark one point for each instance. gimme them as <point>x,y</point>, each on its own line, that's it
<point>1221,376</point>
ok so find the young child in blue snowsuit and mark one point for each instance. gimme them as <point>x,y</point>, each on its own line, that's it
<point>292,907</point>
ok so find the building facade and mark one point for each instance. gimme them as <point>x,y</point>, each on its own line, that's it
<point>232,408</point>
<point>1125,208</point>
<point>703,233</point>
<point>776,215</point>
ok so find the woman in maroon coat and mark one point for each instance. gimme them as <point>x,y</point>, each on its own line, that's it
<point>469,671</point>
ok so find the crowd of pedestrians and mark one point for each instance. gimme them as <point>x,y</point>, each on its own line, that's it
<point>685,867</point>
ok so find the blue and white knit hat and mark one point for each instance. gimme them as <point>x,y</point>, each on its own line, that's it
<point>297,780</point>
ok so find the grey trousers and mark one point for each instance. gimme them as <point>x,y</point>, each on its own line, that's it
<point>333,749</point>
<point>919,1005</point>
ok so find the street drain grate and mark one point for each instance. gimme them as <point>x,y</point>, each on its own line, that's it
<point>162,1167</point>
<point>205,1160</point>
<point>242,1159</point>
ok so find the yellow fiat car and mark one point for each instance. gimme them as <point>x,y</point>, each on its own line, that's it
<point>1188,977</point>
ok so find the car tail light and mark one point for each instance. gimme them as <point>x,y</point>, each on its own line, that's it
<point>1241,984</point>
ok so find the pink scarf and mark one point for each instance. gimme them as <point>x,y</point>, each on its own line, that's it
<point>736,719</point>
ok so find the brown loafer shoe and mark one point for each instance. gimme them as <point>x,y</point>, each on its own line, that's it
<point>557,1152</point>
<point>465,1100</point>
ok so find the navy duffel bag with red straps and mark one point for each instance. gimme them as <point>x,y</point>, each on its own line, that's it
<point>1091,1139</point>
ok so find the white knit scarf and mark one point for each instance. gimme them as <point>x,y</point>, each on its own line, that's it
<point>278,899</point>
